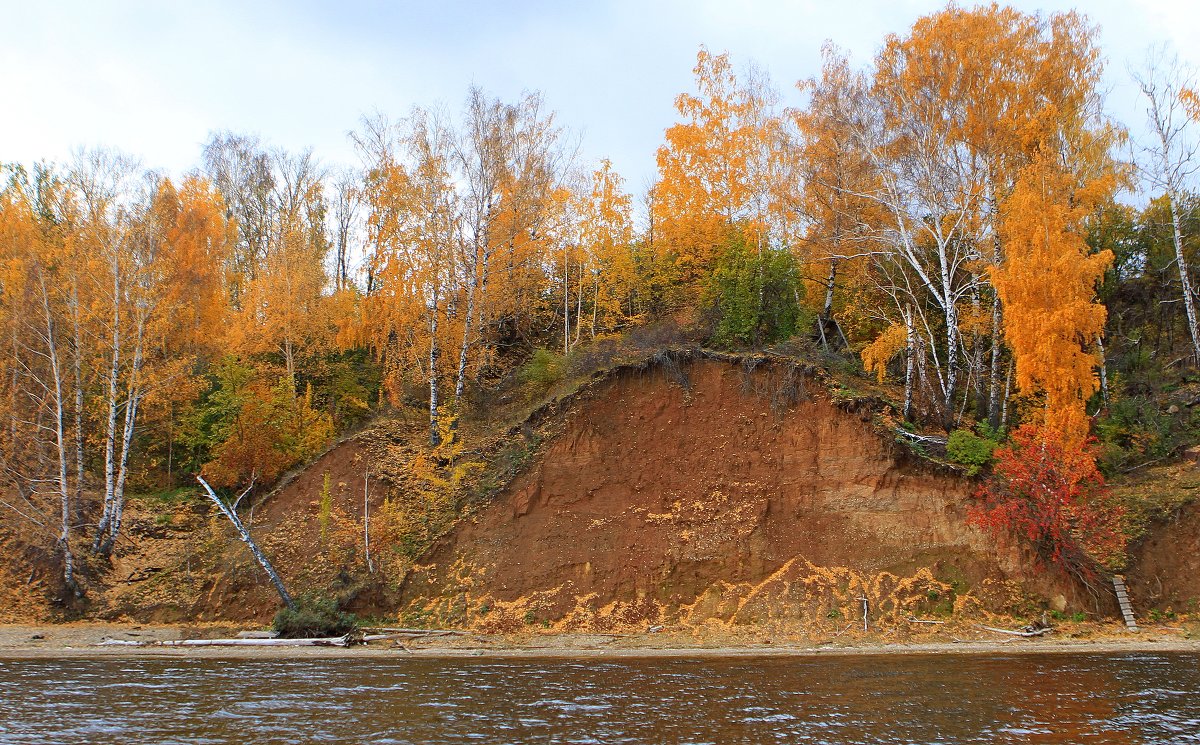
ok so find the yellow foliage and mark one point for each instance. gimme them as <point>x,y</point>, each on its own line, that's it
<point>877,354</point>
<point>713,167</point>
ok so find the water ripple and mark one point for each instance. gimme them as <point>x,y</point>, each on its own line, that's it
<point>955,700</point>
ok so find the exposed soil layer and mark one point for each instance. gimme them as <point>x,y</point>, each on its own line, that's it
<point>1164,574</point>
<point>715,493</point>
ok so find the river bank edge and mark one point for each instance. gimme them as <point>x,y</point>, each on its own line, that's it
<point>88,641</point>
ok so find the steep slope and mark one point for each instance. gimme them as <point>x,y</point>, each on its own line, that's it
<point>723,493</point>
<point>1164,574</point>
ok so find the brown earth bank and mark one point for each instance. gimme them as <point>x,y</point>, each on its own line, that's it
<point>723,492</point>
<point>706,492</point>
<point>1164,568</point>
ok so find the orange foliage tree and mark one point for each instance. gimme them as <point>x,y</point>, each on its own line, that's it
<point>1048,286</point>
<point>714,169</point>
<point>958,110</point>
<point>465,227</point>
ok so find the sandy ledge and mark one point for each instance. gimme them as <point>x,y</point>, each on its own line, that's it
<point>83,640</point>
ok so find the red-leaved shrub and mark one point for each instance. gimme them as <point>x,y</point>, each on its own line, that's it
<point>1052,496</point>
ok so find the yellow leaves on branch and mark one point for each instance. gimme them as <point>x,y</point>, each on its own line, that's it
<point>1048,287</point>
<point>877,354</point>
<point>606,237</point>
<point>1191,103</point>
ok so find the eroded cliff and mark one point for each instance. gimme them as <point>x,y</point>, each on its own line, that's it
<point>719,492</point>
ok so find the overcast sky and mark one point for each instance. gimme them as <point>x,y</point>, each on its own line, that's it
<point>155,78</point>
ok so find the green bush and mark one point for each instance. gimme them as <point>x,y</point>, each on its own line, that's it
<point>1135,430</point>
<point>971,450</point>
<point>544,369</point>
<point>755,294</point>
<point>314,618</point>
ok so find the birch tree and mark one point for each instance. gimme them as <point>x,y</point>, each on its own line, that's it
<point>37,457</point>
<point>1169,161</point>
<point>414,232</point>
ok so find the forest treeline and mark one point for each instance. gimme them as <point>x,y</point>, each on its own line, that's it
<point>949,215</point>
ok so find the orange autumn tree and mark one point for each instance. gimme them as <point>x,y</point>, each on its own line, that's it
<point>835,176</point>
<point>36,396</point>
<point>714,166</point>
<point>1048,287</point>
<point>605,214</point>
<point>283,309</point>
<point>193,294</point>
<point>463,221</point>
<point>412,225</point>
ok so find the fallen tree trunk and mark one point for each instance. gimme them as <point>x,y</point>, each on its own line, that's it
<point>333,641</point>
<point>231,513</point>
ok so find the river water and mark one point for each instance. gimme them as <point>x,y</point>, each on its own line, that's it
<point>1122,698</point>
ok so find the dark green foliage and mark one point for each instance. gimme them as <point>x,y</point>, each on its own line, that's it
<point>1149,412</point>
<point>344,383</point>
<point>755,293</point>
<point>207,422</point>
<point>972,450</point>
<point>1138,429</point>
<point>314,618</point>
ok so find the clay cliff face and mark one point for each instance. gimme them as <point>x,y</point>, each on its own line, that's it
<point>689,499</point>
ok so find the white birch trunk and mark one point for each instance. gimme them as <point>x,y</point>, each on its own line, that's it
<point>133,397</point>
<point>435,434</point>
<point>110,435</point>
<point>1189,304</point>
<point>60,442</point>
<point>244,534</point>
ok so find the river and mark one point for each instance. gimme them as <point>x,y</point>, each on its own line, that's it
<point>950,699</point>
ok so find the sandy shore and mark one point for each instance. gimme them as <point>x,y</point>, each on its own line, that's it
<point>86,640</point>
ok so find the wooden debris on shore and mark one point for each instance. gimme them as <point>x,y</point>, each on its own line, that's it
<point>1027,631</point>
<point>336,641</point>
<point>271,639</point>
<point>384,634</point>
<point>333,641</point>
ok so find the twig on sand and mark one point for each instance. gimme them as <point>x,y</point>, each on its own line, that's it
<point>373,631</point>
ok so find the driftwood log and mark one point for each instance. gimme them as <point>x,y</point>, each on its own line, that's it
<point>335,641</point>
<point>261,639</point>
<point>1031,632</point>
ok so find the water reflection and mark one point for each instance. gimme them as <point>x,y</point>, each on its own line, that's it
<point>873,699</point>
